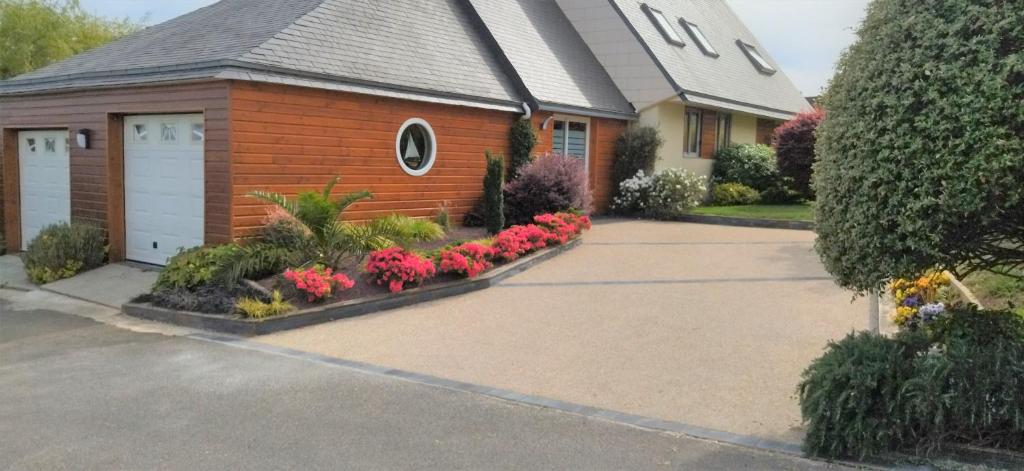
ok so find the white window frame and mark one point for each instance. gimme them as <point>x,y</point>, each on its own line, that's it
<point>760,63</point>
<point>566,119</point>
<point>686,133</point>
<point>433,147</point>
<point>698,36</point>
<point>663,24</point>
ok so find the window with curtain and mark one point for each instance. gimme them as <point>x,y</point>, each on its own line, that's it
<point>693,125</point>
<point>724,134</point>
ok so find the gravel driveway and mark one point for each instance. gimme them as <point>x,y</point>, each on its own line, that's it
<point>705,325</point>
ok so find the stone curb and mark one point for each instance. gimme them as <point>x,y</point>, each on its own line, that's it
<point>746,222</point>
<point>352,308</point>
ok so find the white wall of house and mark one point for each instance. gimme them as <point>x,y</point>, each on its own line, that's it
<point>669,118</point>
<point>617,49</point>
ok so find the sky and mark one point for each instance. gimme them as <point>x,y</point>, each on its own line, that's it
<point>804,36</point>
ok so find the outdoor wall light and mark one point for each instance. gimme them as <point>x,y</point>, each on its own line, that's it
<point>82,138</point>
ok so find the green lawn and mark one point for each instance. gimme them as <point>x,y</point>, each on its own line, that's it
<point>795,212</point>
<point>997,291</point>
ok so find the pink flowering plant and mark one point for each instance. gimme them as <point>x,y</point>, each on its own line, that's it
<point>398,268</point>
<point>517,241</point>
<point>317,282</point>
<point>562,227</point>
<point>468,259</point>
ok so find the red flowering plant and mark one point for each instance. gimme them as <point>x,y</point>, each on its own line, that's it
<point>398,268</point>
<point>468,259</point>
<point>562,226</point>
<point>517,241</point>
<point>317,282</point>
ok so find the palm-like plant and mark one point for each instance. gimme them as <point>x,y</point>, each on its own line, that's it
<point>325,238</point>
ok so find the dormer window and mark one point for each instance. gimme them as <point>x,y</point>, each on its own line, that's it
<point>755,57</point>
<point>698,37</point>
<point>665,26</point>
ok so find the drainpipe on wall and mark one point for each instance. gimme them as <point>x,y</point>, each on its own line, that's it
<point>527,111</point>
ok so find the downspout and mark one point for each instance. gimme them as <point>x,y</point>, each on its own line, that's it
<point>527,111</point>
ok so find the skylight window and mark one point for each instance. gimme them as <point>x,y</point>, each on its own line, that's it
<point>759,61</point>
<point>698,36</point>
<point>665,26</point>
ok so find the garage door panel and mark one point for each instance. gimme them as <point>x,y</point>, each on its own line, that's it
<point>164,186</point>
<point>45,187</point>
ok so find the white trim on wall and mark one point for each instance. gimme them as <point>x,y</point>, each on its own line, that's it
<point>431,154</point>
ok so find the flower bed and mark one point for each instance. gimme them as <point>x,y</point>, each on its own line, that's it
<point>391,277</point>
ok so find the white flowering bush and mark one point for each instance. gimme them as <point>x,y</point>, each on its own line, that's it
<point>665,194</point>
<point>634,194</point>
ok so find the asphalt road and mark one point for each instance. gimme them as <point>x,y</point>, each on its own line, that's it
<point>78,394</point>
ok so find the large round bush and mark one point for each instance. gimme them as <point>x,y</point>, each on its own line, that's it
<point>552,183</point>
<point>64,250</point>
<point>794,149</point>
<point>752,165</point>
<point>921,152</point>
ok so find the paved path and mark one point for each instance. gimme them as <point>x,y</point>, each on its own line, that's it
<point>705,325</point>
<point>78,394</point>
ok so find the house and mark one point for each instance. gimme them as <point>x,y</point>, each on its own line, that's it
<point>159,136</point>
<point>692,69</point>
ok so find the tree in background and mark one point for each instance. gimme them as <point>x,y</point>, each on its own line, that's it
<point>921,153</point>
<point>35,33</point>
<point>521,141</point>
<point>794,149</point>
<point>635,150</point>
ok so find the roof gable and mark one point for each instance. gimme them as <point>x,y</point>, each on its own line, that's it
<point>729,79</point>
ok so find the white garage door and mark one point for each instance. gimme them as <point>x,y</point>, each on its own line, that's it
<point>45,181</point>
<point>163,185</point>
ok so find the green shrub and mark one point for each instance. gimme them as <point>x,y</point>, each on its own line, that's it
<point>733,194</point>
<point>211,299</point>
<point>781,192</point>
<point>635,150</point>
<point>521,141</point>
<point>921,152</point>
<point>257,309</point>
<point>494,202</point>
<point>849,396</point>
<point>194,268</point>
<point>64,250</point>
<point>960,379</point>
<point>753,165</point>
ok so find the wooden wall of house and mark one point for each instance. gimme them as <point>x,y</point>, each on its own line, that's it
<point>603,134</point>
<point>96,173</point>
<point>289,139</point>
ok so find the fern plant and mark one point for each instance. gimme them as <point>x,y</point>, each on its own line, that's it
<point>327,239</point>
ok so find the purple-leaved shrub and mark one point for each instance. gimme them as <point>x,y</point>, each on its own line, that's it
<point>550,184</point>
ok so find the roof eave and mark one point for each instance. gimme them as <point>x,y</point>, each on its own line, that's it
<point>583,111</point>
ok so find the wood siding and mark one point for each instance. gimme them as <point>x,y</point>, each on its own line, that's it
<point>603,134</point>
<point>765,130</point>
<point>289,139</point>
<point>96,175</point>
<point>708,133</point>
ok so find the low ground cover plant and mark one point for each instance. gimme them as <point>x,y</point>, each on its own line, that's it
<point>665,194</point>
<point>956,379</point>
<point>256,309</point>
<point>64,250</point>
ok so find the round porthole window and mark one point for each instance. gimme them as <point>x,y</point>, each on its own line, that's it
<point>416,147</point>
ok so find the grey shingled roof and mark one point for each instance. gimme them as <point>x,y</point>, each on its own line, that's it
<point>549,56</point>
<point>425,47</point>
<point>730,80</point>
